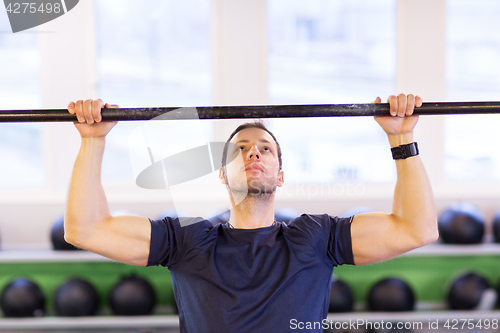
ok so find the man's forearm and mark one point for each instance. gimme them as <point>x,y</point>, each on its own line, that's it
<point>413,198</point>
<point>86,202</point>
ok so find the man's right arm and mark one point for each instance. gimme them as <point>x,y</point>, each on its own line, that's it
<point>88,223</point>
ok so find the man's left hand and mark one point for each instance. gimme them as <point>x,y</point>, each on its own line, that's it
<point>401,120</point>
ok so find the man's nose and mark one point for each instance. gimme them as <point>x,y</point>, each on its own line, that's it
<point>253,153</point>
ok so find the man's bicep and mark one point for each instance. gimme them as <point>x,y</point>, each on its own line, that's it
<point>377,237</point>
<point>123,238</point>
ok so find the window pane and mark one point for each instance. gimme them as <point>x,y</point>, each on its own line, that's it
<point>473,74</point>
<point>20,144</point>
<point>325,51</point>
<point>151,53</point>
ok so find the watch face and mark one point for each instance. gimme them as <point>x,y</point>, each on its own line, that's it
<point>414,149</point>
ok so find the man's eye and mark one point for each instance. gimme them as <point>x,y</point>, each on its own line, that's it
<point>241,148</point>
<point>266,148</point>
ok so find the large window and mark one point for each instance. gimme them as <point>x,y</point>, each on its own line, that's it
<point>473,74</point>
<point>158,53</point>
<point>21,157</point>
<point>151,53</point>
<point>325,51</point>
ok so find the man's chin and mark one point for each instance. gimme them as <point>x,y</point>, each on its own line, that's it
<point>252,190</point>
<point>263,190</point>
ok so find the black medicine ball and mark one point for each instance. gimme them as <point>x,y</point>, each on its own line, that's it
<point>57,236</point>
<point>22,298</point>
<point>496,226</point>
<point>75,298</point>
<point>132,296</point>
<point>341,299</point>
<point>466,290</point>
<point>462,223</point>
<point>391,294</point>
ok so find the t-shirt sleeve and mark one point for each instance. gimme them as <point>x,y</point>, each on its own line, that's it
<point>339,249</point>
<point>159,247</point>
<point>331,236</point>
<point>170,241</point>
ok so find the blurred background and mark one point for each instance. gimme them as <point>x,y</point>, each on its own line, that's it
<point>223,52</point>
<point>165,53</point>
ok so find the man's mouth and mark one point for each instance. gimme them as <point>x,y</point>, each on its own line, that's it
<point>254,167</point>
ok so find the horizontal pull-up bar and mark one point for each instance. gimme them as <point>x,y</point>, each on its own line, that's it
<point>256,111</point>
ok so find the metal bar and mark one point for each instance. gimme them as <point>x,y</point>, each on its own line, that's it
<point>257,111</point>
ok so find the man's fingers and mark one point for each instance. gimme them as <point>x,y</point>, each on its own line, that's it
<point>96,110</point>
<point>377,100</point>
<point>418,101</point>
<point>87,111</point>
<point>410,104</point>
<point>111,106</point>
<point>71,108</point>
<point>79,111</point>
<point>401,105</point>
<point>393,103</point>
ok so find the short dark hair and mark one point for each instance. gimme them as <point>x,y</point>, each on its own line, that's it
<point>256,124</point>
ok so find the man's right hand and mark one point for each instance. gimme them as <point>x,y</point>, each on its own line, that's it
<point>88,113</point>
<point>87,221</point>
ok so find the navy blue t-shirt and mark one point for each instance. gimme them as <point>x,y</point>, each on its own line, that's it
<point>251,280</point>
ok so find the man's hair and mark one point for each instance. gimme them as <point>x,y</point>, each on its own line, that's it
<point>256,124</point>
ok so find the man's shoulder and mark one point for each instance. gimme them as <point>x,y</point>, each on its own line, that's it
<point>307,222</point>
<point>319,222</point>
<point>312,219</point>
<point>184,225</point>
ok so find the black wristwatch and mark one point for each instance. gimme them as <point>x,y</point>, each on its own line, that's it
<point>405,151</point>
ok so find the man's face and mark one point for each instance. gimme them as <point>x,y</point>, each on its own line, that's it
<point>254,166</point>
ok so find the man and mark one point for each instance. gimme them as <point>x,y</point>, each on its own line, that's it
<point>252,274</point>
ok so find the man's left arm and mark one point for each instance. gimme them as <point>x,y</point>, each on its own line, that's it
<point>413,222</point>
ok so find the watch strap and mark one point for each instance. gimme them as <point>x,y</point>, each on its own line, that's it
<point>404,151</point>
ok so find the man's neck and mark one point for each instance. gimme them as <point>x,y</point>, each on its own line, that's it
<point>253,212</point>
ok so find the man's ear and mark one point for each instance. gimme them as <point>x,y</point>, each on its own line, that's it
<point>222,176</point>
<point>281,178</point>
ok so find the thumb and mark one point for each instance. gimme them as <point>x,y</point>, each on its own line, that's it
<point>377,100</point>
<point>111,106</point>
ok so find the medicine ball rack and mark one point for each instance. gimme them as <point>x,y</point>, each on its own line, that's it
<point>163,321</point>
